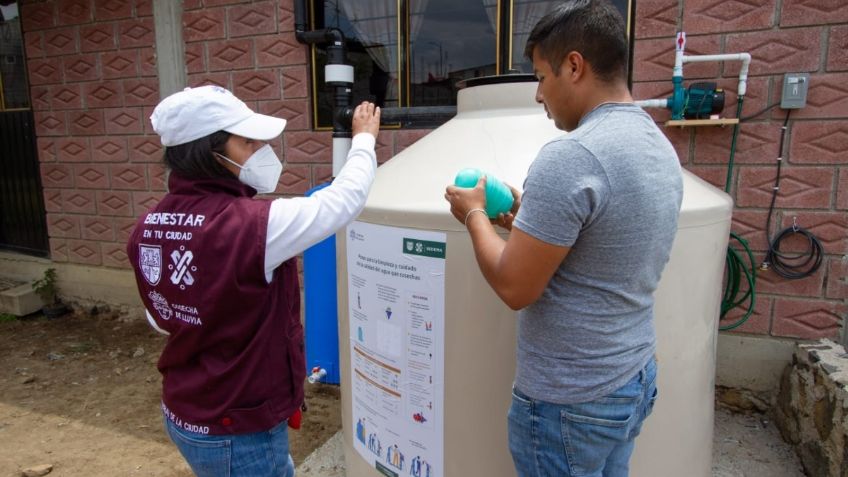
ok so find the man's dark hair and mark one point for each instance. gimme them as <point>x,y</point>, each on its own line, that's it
<point>195,159</point>
<point>593,28</point>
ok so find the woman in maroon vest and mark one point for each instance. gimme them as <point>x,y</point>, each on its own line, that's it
<point>216,270</point>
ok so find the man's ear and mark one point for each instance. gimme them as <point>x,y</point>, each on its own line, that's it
<point>574,65</point>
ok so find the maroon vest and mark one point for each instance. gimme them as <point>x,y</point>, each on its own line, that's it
<point>233,362</point>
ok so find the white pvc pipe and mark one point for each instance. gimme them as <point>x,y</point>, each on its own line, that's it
<point>652,103</point>
<point>745,58</point>
<point>338,74</point>
<point>680,44</point>
<point>341,146</point>
<point>678,63</point>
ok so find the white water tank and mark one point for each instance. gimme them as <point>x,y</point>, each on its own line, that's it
<point>499,128</point>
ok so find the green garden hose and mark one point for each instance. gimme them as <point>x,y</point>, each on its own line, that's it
<point>735,270</point>
<point>735,266</point>
<point>729,178</point>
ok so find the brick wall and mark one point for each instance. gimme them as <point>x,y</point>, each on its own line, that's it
<point>782,36</point>
<point>93,76</point>
<point>250,48</point>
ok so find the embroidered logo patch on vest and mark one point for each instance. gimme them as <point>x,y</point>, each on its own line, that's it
<point>161,305</point>
<point>150,262</point>
<point>182,268</point>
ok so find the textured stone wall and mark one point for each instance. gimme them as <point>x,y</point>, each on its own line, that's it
<point>812,407</point>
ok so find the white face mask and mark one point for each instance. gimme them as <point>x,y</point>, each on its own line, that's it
<point>261,170</point>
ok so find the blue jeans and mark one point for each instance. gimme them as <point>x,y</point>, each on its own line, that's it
<point>591,439</point>
<point>261,454</point>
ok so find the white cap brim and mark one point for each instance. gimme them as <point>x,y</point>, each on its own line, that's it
<point>258,126</point>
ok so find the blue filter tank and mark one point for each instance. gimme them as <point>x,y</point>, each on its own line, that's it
<point>319,283</point>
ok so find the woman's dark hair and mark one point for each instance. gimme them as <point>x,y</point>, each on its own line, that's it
<point>195,159</point>
<point>593,28</point>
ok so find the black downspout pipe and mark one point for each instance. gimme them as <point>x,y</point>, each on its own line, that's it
<point>338,74</point>
<point>428,114</point>
<point>300,19</point>
<point>343,97</point>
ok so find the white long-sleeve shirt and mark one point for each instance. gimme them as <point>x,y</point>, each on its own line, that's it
<point>295,224</point>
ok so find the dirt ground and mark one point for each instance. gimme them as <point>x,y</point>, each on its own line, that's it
<point>748,444</point>
<point>81,393</point>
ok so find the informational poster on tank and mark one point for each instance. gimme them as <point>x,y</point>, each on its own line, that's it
<point>396,296</point>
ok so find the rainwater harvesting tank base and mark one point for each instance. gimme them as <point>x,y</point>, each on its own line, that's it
<point>499,128</point>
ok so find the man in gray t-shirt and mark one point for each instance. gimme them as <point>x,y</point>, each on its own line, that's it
<point>610,192</point>
<point>589,239</point>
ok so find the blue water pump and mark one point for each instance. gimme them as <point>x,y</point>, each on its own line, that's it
<point>699,101</point>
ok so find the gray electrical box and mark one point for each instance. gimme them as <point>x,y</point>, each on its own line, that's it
<point>794,90</point>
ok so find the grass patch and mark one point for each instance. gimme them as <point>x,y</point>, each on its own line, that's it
<point>6,317</point>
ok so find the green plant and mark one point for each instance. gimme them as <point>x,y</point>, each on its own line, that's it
<point>45,287</point>
<point>4,317</point>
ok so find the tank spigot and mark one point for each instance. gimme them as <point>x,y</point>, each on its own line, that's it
<point>318,373</point>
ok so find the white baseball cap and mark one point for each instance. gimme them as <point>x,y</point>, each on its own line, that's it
<point>194,113</point>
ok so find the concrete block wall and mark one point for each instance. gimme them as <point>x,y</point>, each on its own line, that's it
<point>93,76</point>
<point>782,36</point>
<point>93,73</point>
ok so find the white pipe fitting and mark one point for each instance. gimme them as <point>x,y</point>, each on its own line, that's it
<point>743,74</point>
<point>652,103</point>
<point>680,45</point>
<point>338,74</point>
<point>678,63</point>
<point>318,373</point>
<point>745,58</point>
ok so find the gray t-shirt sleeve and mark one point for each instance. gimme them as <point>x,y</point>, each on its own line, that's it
<point>565,191</point>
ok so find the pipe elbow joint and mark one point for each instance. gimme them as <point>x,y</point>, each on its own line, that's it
<point>334,35</point>
<point>331,36</point>
<point>746,61</point>
<point>743,74</point>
